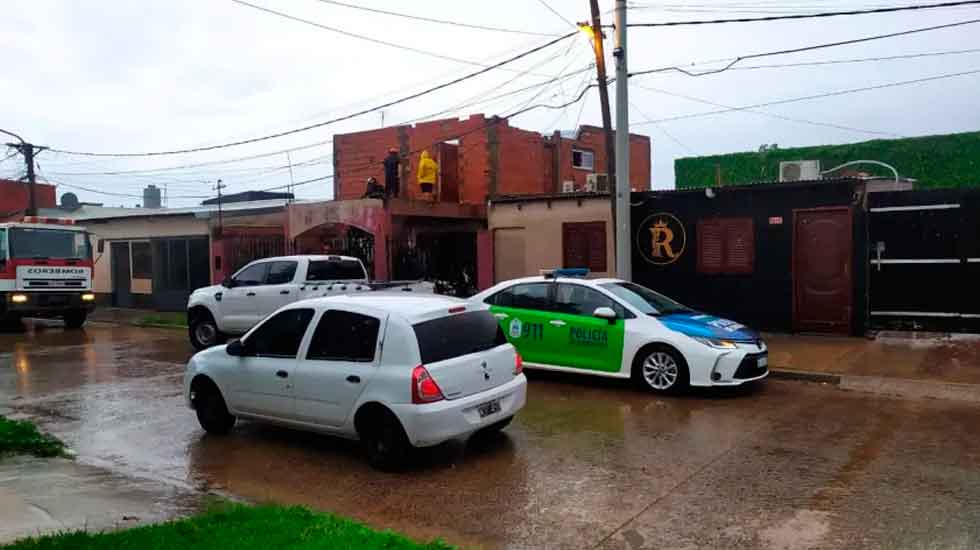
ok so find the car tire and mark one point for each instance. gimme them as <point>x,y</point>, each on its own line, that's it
<point>75,319</point>
<point>496,427</point>
<point>661,369</point>
<point>386,444</point>
<point>203,331</point>
<point>212,413</point>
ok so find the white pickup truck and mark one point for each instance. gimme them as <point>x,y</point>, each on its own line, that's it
<point>230,309</point>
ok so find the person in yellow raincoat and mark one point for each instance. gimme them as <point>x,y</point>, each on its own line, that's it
<point>427,174</point>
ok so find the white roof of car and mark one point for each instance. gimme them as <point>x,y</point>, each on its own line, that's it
<point>312,257</point>
<point>542,279</point>
<point>410,306</point>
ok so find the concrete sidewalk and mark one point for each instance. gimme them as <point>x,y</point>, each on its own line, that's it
<point>938,365</point>
<point>43,496</point>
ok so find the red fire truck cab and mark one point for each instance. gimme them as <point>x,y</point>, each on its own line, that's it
<point>45,271</point>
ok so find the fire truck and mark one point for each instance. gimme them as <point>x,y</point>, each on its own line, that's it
<point>45,271</point>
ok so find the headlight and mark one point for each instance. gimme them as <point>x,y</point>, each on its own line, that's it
<point>715,343</point>
<point>19,298</point>
<point>88,297</point>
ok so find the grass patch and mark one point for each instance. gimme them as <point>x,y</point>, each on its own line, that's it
<point>170,319</point>
<point>238,527</point>
<point>22,437</point>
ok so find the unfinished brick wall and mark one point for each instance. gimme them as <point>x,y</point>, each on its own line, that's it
<point>494,158</point>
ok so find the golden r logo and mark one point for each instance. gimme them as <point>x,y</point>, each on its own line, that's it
<point>661,238</point>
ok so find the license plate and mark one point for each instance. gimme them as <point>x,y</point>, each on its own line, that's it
<point>488,408</point>
<point>763,362</point>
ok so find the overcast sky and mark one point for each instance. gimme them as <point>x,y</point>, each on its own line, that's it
<point>125,76</point>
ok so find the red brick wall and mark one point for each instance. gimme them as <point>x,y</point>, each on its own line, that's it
<point>524,162</point>
<point>14,196</point>
<point>591,138</point>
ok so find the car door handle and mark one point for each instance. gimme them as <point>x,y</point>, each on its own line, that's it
<point>283,292</point>
<point>500,315</point>
<point>354,379</point>
<point>282,374</point>
<point>557,323</point>
<point>250,294</point>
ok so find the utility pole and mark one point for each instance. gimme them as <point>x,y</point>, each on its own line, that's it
<point>292,182</point>
<point>218,187</point>
<point>600,65</point>
<point>28,150</point>
<point>624,260</point>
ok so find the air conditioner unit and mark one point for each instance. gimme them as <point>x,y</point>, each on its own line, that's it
<point>597,183</point>
<point>568,186</point>
<point>799,170</point>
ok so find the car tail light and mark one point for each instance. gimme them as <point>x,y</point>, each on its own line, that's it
<point>518,363</point>
<point>424,387</point>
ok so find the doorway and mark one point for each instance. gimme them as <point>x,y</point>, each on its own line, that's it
<point>822,272</point>
<point>122,295</point>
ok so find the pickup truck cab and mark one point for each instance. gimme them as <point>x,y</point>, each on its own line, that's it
<point>262,287</point>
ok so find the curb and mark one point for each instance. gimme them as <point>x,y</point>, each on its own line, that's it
<point>805,376</point>
<point>158,325</point>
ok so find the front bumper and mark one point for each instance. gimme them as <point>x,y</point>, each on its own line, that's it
<point>746,363</point>
<point>41,304</point>
<point>428,425</point>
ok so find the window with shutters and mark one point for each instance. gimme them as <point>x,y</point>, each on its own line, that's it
<point>726,245</point>
<point>584,245</point>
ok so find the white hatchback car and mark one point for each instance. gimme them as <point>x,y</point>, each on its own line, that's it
<point>392,370</point>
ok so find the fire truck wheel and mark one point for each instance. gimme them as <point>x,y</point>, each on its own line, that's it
<point>75,319</point>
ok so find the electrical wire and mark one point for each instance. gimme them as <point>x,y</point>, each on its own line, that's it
<point>333,120</point>
<point>807,16</point>
<point>806,49</point>
<point>433,20</point>
<point>361,36</point>
<point>664,131</point>
<point>557,13</point>
<point>766,114</point>
<point>854,60</point>
<point>815,96</point>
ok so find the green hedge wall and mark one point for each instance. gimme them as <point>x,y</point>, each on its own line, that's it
<point>934,161</point>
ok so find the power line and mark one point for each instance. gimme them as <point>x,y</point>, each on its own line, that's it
<point>433,20</point>
<point>360,36</point>
<point>557,13</point>
<point>664,130</point>
<point>333,120</point>
<point>764,113</point>
<point>810,97</point>
<point>854,60</point>
<point>806,49</point>
<point>808,15</point>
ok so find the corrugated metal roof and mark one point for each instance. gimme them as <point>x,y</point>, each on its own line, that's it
<point>91,213</point>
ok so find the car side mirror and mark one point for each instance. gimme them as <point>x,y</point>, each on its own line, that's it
<point>235,348</point>
<point>228,282</point>
<point>606,313</point>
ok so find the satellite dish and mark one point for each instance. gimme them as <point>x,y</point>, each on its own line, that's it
<point>69,201</point>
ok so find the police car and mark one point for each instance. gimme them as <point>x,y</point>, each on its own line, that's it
<point>610,327</point>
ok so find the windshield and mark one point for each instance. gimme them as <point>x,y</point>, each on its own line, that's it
<point>335,270</point>
<point>58,244</point>
<point>644,299</point>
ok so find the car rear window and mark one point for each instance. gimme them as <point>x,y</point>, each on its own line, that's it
<point>456,335</point>
<point>335,270</point>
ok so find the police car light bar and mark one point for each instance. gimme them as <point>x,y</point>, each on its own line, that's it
<point>53,221</point>
<point>576,272</point>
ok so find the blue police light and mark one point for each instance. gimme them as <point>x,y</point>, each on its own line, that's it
<point>574,272</point>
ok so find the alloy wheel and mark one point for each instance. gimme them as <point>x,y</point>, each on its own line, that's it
<point>660,370</point>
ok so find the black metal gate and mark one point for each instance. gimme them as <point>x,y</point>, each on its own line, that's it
<point>925,259</point>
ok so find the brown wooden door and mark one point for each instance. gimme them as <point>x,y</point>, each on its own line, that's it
<point>448,172</point>
<point>822,271</point>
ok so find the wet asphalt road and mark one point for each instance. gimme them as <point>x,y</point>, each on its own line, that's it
<point>588,464</point>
